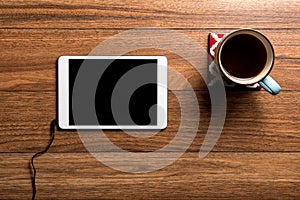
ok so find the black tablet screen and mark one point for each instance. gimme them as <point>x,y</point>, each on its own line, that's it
<point>142,100</point>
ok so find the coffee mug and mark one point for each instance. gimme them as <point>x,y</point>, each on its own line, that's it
<point>245,57</point>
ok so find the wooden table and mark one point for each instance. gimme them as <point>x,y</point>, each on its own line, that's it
<point>257,155</point>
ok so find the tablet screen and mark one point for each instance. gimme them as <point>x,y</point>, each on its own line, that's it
<point>142,100</point>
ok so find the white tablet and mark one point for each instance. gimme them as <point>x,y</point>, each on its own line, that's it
<point>112,92</point>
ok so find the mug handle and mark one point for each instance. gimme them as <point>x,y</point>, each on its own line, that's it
<point>270,85</point>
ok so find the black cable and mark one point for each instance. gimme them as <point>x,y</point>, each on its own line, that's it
<point>52,131</point>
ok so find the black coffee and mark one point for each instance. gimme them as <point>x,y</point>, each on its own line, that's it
<point>243,56</point>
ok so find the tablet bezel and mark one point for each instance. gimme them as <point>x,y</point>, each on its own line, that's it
<point>63,93</point>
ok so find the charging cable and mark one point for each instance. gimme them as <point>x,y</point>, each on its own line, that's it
<point>52,131</point>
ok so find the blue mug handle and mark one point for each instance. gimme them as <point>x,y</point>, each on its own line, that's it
<point>270,85</point>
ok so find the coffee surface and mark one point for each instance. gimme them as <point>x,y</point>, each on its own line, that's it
<point>243,56</point>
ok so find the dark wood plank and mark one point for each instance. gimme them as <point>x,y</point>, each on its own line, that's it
<point>28,57</point>
<point>132,14</point>
<point>255,121</point>
<point>219,175</point>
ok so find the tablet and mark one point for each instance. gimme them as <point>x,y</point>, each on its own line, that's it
<point>112,92</point>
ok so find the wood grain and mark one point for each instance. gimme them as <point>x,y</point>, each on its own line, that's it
<point>256,157</point>
<point>132,14</point>
<point>28,57</point>
<point>79,175</point>
<point>255,121</point>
